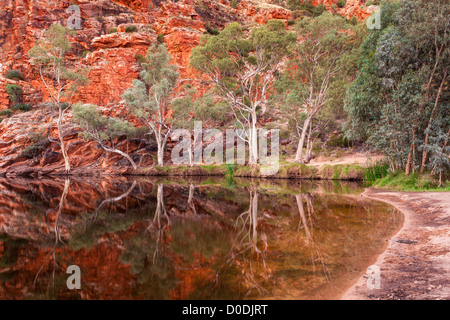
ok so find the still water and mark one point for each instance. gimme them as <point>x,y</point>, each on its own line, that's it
<point>143,238</point>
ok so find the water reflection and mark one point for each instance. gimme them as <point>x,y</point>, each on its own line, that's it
<point>190,238</point>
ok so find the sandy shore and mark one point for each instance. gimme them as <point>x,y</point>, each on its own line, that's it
<point>416,263</point>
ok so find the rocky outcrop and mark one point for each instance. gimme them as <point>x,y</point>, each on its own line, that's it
<point>110,55</point>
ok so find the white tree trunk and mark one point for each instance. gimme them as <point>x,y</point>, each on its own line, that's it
<point>160,155</point>
<point>253,142</point>
<point>301,210</point>
<point>126,156</point>
<point>254,217</point>
<point>298,155</point>
<point>62,144</point>
<point>123,154</point>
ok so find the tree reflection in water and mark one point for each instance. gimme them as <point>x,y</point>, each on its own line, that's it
<point>52,254</point>
<point>305,219</point>
<point>187,239</point>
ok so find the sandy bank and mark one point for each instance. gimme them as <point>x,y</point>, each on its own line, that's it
<point>416,263</point>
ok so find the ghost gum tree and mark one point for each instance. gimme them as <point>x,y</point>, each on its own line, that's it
<point>244,70</point>
<point>151,96</point>
<point>59,79</point>
<point>204,109</point>
<point>318,64</point>
<point>104,130</point>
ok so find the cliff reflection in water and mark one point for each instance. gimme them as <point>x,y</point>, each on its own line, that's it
<point>187,239</point>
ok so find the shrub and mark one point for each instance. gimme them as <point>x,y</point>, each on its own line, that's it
<point>377,171</point>
<point>300,14</point>
<point>291,22</point>
<point>306,5</point>
<point>13,75</point>
<point>234,4</point>
<point>112,30</point>
<point>100,19</point>
<point>339,140</point>
<point>6,112</point>
<point>160,38</point>
<point>15,93</point>
<point>38,144</point>
<point>341,3</point>
<point>22,107</point>
<point>85,53</point>
<point>130,29</point>
<point>65,105</point>
<point>140,58</point>
<point>33,150</point>
<point>210,30</point>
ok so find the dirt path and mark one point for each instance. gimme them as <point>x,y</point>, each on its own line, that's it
<point>361,159</point>
<point>416,264</point>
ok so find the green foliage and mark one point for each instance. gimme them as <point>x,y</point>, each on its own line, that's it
<point>341,3</point>
<point>13,75</point>
<point>39,143</point>
<point>395,102</point>
<point>353,21</point>
<point>231,169</point>
<point>85,53</point>
<point>312,88</point>
<point>150,97</point>
<point>157,74</point>
<point>374,172</point>
<point>160,38</point>
<point>131,28</point>
<point>216,53</point>
<point>306,5</point>
<point>33,150</point>
<point>230,56</point>
<point>15,93</point>
<point>339,140</point>
<point>100,19</point>
<point>234,4</point>
<point>373,2</point>
<point>98,127</point>
<point>140,58</point>
<point>22,107</point>
<point>11,252</point>
<point>341,172</point>
<point>6,112</point>
<point>413,182</point>
<point>112,30</point>
<point>49,56</point>
<point>296,14</point>
<point>212,31</point>
<point>244,69</point>
<point>55,43</point>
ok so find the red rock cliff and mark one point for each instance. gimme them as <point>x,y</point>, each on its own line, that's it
<point>110,57</point>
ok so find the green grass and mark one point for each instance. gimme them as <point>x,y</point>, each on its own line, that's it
<point>412,182</point>
<point>375,172</point>
<point>297,170</point>
<point>131,28</point>
<point>342,172</point>
<point>13,75</point>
